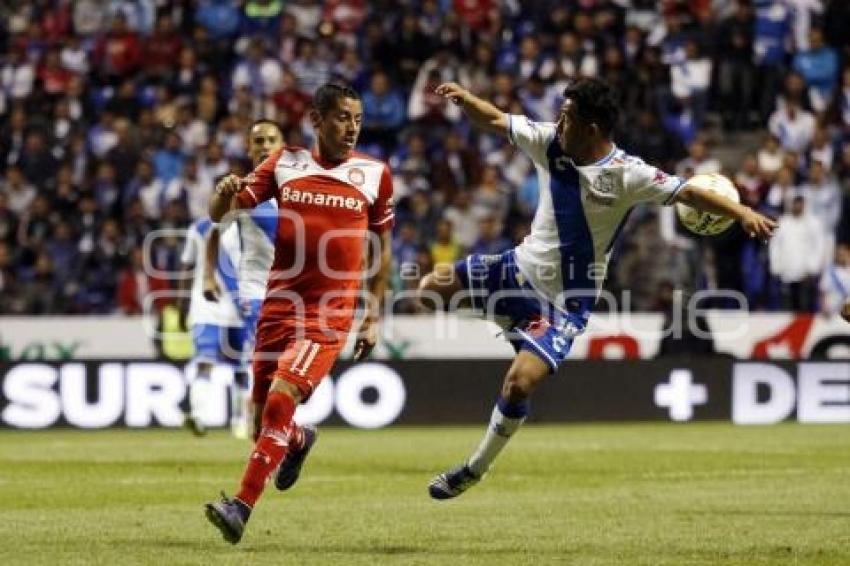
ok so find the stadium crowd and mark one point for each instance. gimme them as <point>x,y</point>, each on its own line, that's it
<point>117,117</point>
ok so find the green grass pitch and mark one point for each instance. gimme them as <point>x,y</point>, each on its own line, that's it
<point>589,494</point>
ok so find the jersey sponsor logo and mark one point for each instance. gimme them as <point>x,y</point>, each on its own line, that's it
<point>321,199</point>
<point>356,176</point>
<point>296,164</point>
<point>660,177</point>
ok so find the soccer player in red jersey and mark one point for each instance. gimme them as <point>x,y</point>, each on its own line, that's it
<point>331,200</point>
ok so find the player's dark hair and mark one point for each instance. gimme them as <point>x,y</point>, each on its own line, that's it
<point>327,95</point>
<point>595,102</point>
<point>269,122</point>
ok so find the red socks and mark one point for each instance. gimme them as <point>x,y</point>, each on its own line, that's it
<point>270,447</point>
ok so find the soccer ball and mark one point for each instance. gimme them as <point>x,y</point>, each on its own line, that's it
<point>707,223</point>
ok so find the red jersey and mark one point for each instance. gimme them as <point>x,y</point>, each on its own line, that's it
<point>324,213</point>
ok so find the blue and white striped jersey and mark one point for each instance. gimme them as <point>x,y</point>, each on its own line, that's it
<point>249,241</point>
<point>580,213</point>
<point>201,311</point>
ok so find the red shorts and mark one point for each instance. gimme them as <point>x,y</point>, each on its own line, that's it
<point>302,358</point>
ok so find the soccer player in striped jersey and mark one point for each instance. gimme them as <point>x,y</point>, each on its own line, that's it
<point>543,290</point>
<point>249,241</point>
<point>216,326</point>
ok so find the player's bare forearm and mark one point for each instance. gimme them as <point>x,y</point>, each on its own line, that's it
<point>755,224</point>
<point>481,113</point>
<point>223,199</point>
<point>211,288</point>
<point>377,284</point>
<point>220,205</point>
<point>184,283</point>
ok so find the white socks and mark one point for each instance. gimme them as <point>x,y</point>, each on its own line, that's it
<point>198,394</point>
<point>504,422</point>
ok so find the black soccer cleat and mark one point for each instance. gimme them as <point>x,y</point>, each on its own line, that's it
<point>452,483</point>
<point>228,518</point>
<point>290,468</point>
<point>194,425</point>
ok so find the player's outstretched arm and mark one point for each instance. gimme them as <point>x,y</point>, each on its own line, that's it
<point>481,113</point>
<point>754,224</point>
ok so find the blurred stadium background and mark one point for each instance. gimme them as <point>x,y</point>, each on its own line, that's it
<point>118,116</point>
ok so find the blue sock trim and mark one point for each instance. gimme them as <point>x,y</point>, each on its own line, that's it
<point>512,410</point>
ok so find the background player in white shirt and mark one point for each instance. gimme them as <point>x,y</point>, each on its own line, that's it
<point>542,291</point>
<point>248,238</point>
<point>217,328</point>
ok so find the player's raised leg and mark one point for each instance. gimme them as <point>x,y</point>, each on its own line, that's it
<point>299,370</point>
<point>231,515</point>
<point>511,410</point>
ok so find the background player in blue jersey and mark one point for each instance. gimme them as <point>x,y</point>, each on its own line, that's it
<point>543,290</point>
<point>248,241</point>
<point>217,328</point>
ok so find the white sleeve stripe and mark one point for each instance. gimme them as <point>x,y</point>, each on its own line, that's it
<point>675,192</point>
<point>256,200</point>
<point>384,221</point>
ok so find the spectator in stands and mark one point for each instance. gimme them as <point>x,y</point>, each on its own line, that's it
<point>118,53</point>
<point>259,72</point>
<point>136,286</point>
<point>770,155</point>
<point>423,213</point>
<point>18,191</point>
<point>796,256</point>
<point>310,68</point>
<point>698,162</point>
<point>9,287</point>
<point>168,162</point>
<point>261,18</point>
<point>819,67</point>
<point>490,239</point>
<point>159,49</point>
<point>124,155</point>
<point>445,248</point>
<point>8,221</point>
<point>39,292</point>
<point>736,73</point>
<point>822,149</point>
<point>35,229</point>
<point>54,78</point>
<point>405,246</point>
<point>840,109</point>
<point>220,18</point>
<point>781,192</point>
<point>458,168</point>
<point>770,34</point>
<point>383,113</point>
<point>464,218</point>
<point>492,195</point>
<point>823,200</point>
<point>192,187</point>
<point>793,126</point>
<point>17,76</point>
<point>36,162</point>
<point>835,282</point>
